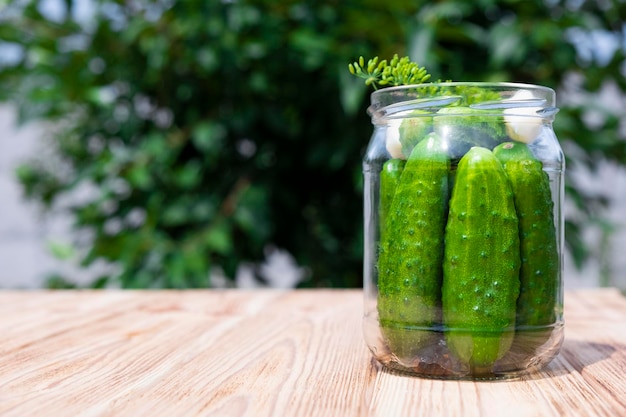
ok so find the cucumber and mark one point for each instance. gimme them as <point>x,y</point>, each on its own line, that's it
<point>539,272</point>
<point>465,127</point>
<point>411,251</point>
<point>413,129</point>
<point>481,263</point>
<point>389,178</point>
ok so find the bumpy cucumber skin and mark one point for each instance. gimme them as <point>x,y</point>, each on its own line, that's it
<point>539,273</point>
<point>482,262</point>
<point>411,250</point>
<point>389,179</point>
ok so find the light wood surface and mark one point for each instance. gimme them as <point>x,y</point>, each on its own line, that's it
<point>271,353</point>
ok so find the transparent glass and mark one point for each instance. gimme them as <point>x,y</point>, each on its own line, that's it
<point>463,189</point>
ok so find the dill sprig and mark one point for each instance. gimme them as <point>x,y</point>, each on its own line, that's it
<point>397,71</point>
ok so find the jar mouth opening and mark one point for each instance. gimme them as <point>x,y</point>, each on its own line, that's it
<point>484,98</point>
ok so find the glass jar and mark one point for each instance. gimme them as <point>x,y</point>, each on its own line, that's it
<point>463,189</point>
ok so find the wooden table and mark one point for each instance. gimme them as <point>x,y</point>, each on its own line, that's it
<point>271,353</point>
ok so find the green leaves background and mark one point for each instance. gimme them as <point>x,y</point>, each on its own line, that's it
<point>211,129</point>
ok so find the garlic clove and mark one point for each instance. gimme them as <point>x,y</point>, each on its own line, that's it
<point>523,123</point>
<point>393,145</point>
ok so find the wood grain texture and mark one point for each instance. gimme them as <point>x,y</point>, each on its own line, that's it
<point>271,353</point>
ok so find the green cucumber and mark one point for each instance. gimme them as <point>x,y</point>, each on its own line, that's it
<point>465,127</point>
<point>411,250</point>
<point>413,129</point>
<point>482,262</point>
<point>389,179</point>
<point>539,272</point>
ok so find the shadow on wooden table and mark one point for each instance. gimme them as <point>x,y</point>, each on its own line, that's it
<point>389,392</point>
<point>576,355</point>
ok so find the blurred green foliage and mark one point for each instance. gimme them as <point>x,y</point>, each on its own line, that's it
<point>206,130</point>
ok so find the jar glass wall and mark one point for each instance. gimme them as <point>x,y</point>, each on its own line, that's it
<point>463,189</point>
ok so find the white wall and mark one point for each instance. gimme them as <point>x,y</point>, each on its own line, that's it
<point>24,260</point>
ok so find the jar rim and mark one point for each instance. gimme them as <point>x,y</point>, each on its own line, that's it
<point>483,84</point>
<point>529,100</point>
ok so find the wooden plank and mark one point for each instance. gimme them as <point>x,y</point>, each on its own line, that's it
<point>271,353</point>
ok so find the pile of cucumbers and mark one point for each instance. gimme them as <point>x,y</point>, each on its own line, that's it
<point>467,249</point>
